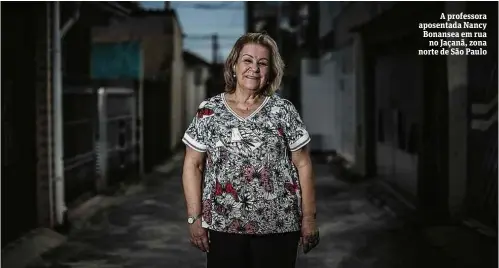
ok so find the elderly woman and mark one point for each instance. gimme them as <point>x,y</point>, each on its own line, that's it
<point>247,175</point>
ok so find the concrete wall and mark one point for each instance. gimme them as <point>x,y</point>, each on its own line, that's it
<point>177,77</point>
<point>360,165</point>
<point>353,14</point>
<point>317,108</point>
<point>44,110</point>
<point>327,14</point>
<point>328,103</point>
<point>162,44</point>
<point>399,87</point>
<point>157,42</point>
<point>394,163</point>
<point>331,93</point>
<point>458,123</point>
<point>195,94</point>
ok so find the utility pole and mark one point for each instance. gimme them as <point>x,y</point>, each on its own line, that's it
<point>215,46</point>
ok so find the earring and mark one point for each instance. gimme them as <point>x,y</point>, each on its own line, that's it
<point>234,75</point>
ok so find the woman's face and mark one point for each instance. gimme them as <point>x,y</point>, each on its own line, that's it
<point>253,67</point>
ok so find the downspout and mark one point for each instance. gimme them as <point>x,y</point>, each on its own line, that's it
<point>58,33</point>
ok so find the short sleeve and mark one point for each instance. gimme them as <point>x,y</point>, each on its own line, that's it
<point>194,136</point>
<point>295,129</point>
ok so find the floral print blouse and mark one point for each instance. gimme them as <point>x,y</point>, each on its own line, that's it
<point>250,184</point>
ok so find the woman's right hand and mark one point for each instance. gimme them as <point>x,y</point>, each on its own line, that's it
<point>199,236</point>
<point>191,181</point>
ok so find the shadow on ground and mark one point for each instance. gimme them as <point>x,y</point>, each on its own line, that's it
<point>148,230</point>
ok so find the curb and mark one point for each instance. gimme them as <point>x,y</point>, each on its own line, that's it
<point>29,247</point>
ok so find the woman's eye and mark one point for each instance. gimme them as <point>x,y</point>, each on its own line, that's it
<point>263,63</point>
<point>247,61</point>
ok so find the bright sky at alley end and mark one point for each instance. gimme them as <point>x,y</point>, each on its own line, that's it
<point>205,18</point>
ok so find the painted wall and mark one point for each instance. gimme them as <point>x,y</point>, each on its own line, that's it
<point>162,42</point>
<point>158,42</point>
<point>195,92</point>
<point>328,103</point>
<point>177,75</point>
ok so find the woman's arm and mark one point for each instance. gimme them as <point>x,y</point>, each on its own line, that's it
<point>192,180</point>
<point>301,159</point>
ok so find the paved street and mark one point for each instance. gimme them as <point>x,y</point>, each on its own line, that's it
<point>148,229</point>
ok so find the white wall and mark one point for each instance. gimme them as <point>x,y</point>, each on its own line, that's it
<point>328,104</point>
<point>317,106</point>
<point>345,103</point>
<point>195,94</point>
<point>177,73</point>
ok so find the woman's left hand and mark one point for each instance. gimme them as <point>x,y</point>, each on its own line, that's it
<point>309,234</point>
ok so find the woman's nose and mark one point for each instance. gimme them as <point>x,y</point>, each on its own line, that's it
<point>255,67</point>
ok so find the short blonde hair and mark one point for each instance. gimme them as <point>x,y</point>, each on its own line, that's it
<point>276,62</point>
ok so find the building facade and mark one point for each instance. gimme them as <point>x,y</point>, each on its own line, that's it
<point>197,73</point>
<point>161,36</point>
<point>28,158</point>
<point>418,124</point>
<point>293,27</point>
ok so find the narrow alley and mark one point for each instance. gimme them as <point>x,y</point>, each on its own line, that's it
<point>98,95</point>
<point>148,229</point>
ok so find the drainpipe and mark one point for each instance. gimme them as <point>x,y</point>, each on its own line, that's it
<point>58,121</point>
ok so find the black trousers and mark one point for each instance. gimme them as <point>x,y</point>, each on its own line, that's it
<point>252,251</point>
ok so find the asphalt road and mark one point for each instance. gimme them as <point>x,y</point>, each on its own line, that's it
<point>148,229</point>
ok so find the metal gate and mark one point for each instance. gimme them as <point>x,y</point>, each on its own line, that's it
<point>398,89</point>
<point>100,140</point>
<point>80,117</point>
<point>117,140</point>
